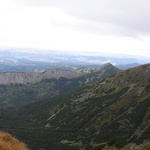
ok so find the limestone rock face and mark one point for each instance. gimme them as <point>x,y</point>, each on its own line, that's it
<point>32,77</point>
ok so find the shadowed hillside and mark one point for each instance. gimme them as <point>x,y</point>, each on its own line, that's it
<point>115,107</point>
<point>21,92</point>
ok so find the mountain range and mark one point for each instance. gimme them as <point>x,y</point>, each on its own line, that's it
<point>7,78</point>
<point>33,86</point>
<point>33,60</point>
<point>105,106</point>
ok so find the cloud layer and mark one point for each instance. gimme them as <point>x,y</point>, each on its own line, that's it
<point>118,26</point>
<point>132,17</point>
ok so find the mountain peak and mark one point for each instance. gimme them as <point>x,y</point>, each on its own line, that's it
<point>106,65</point>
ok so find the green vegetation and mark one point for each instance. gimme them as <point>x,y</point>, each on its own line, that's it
<point>48,88</point>
<point>86,117</point>
<point>119,142</point>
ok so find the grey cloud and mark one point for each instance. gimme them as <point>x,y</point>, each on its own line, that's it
<point>121,17</point>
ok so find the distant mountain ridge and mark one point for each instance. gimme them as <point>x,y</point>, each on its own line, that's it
<point>127,66</point>
<point>7,78</point>
<point>87,70</point>
<point>28,87</point>
<point>32,77</point>
<point>29,60</point>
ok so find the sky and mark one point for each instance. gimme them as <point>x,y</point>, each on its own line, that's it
<point>94,26</point>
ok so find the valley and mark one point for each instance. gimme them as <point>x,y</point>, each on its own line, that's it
<point>77,110</point>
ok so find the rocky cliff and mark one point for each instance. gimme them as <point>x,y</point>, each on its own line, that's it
<point>7,78</point>
<point>32,77</point>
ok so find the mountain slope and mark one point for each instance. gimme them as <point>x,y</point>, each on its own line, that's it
<point>7,142</point>
<point>104,109</point>
<point>116,106</point>
<point>94,74</point>
<point>52,84</point>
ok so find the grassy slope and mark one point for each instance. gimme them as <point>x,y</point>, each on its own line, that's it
<point>7,142</point>
<point>115,106</point>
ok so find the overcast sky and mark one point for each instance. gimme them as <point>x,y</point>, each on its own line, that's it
<point>110,26</point>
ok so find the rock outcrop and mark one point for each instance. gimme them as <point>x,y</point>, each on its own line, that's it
<point>32,77</point>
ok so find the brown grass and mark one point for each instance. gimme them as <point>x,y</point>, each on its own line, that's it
<point>7,142</point>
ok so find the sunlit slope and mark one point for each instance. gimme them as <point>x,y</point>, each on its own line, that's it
<point>7,142</point>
